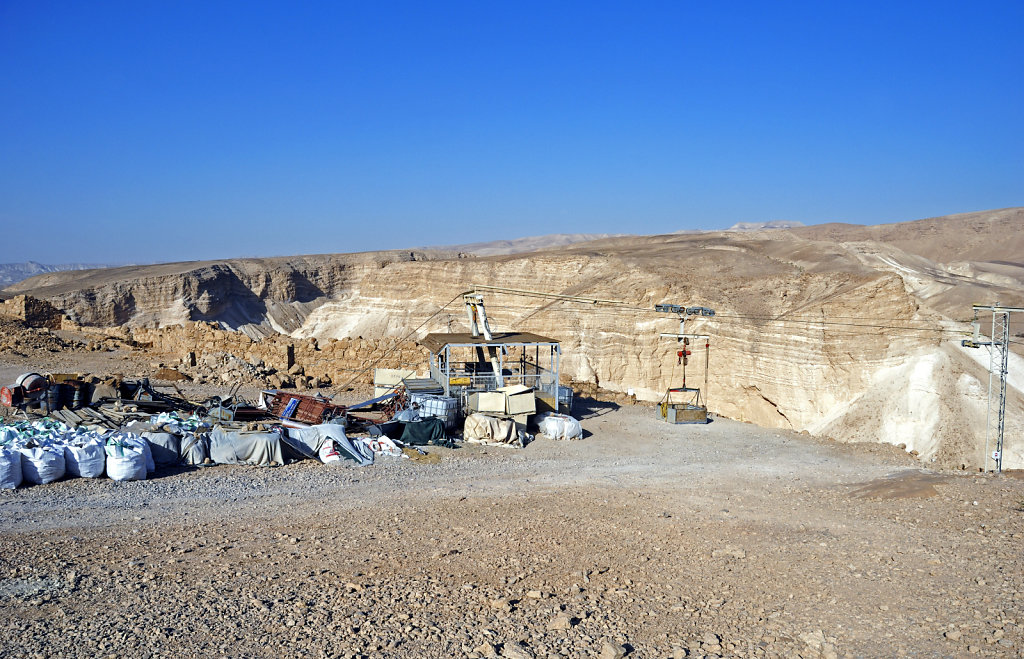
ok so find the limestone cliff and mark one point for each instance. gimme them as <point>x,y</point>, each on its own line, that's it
<point>850,332</point>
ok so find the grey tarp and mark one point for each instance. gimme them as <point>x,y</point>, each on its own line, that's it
<point>246,448</point>
<point>165,446</point>
<point>308,441</point>
<point>195,448</point>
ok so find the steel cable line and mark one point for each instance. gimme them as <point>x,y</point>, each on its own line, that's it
<point>612,307</point>
<point>402,340</point>
<point>766,319</point>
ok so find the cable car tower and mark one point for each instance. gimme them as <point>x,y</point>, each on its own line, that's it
<point>999,354</point>
<point>692,408</point>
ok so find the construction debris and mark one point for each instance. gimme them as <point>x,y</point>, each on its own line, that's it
<point>67,425</point>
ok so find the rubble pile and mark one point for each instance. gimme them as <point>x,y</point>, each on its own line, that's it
<point>220,368</point>
<point>16,338</point>
<point>48,420</point>
<point>201,350</point>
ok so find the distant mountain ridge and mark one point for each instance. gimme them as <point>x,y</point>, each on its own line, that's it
<point>528,244</point>
<point>12,273</point>
<point>771,224</point>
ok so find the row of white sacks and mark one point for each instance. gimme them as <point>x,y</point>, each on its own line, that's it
<point>122,456</point>
<point>43,453</point>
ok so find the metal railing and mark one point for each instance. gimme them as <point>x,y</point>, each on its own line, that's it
<point>465,376</point>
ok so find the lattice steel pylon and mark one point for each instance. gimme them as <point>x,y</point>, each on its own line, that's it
<point>999,355</point>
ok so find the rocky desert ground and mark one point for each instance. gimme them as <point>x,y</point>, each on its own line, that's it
<point>653,540</point>
<point>809,533</point>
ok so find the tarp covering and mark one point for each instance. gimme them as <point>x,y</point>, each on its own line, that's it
<point>559,426</point>
<point>166,448</point>
<point>247,448</point>
<point>195,448</point>
<point>490,430</point>
<point>308,442</point>
<point>421,433</point>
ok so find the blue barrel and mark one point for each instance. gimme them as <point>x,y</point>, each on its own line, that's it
<point>55,397</point>
<point>77,394</point>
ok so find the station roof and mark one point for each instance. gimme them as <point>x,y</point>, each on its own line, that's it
<point>436,342</point>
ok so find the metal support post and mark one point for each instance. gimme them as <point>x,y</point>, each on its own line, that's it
<point>999,355</point>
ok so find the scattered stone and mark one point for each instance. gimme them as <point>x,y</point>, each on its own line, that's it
<point>711,639</point>
<point>513,651</point>
<point>560,622</point>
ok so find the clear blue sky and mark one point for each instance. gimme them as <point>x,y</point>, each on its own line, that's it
<point>154,131</point>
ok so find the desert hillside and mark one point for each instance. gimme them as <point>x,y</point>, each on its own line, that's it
<point>850,332</point>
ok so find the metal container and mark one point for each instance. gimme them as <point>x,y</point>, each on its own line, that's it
<point>77,393</point>
<point>565,396</point>
<point>445,408</point>
<point>685,413</point>
<point>55,397</point>
<point>11,396</point>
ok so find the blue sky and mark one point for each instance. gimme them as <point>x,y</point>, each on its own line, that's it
<point>158,131</point>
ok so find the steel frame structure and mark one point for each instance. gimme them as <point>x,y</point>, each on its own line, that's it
<point>999,354</point>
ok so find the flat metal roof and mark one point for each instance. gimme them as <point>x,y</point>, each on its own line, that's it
<point>436,342</point>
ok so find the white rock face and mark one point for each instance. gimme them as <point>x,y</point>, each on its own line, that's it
<point>848,332</point>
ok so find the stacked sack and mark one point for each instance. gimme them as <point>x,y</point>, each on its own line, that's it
<point>128,457</point>
<point>39,449</point>
<point>84,456</point>
<point>10,468</point>
<point>45,450</point>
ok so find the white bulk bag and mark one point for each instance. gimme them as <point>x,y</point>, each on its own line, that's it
<point>125,462</point>
<point>143,447</point>
<point>10,468</point>
<point>560,426</point>
<point>86,461</point>
<point>42,464</point>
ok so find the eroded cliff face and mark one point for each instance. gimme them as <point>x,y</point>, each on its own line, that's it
<point>278,293</point>
<point>854,339</point>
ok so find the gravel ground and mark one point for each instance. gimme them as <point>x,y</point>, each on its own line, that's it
<point>642,539</point>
